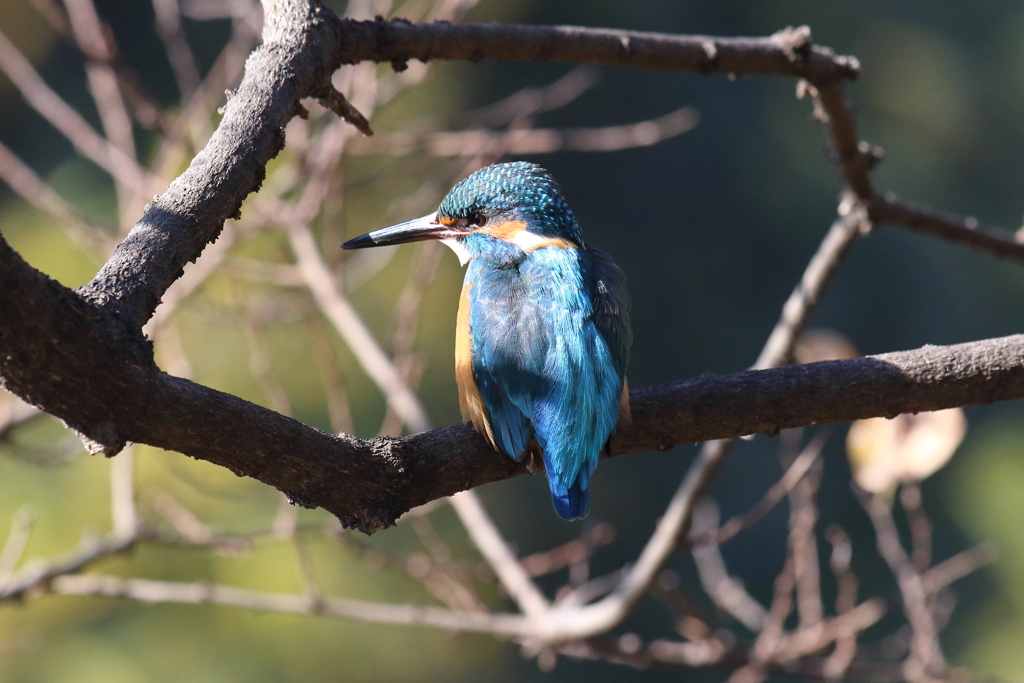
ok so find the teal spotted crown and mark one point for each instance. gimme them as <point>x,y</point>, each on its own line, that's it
<point>517,190</point>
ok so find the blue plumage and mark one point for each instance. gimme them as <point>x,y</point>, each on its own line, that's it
<point>543,335</point>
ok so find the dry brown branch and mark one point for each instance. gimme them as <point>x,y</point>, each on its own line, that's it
<point>37,574</point>
<point>106,93</point>
<point>438,463</point>
<point>530,101</point>
<point>846,599</point>
<point>569,553</point>
<point>960,565</point>
<point>925,660</point>
<point>123,512</point>
<point>31,188</point>
<point>17,539</point>
<point>967,231</point>
<point>179,54</point>
<point>148,591</point>
<point>852,223</point>
<point>920,526</point>
<point>725,591</point>
<point>14,412</point>
<point>519,141</point>
<point>349,325</point>
<point>803,520</point>
<point>789,52</point>
<point>772,497</point>
<point>123,168</point>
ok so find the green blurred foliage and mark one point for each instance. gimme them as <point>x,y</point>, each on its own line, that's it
<point>713,229</point>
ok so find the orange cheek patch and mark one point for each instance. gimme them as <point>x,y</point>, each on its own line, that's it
<point>516,233</point>
<point>506,230</point>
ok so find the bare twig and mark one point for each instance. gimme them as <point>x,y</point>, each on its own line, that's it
<point>30,187</point>
<point>407,318</point>
<point>846,599</point>
<point>335,394</point>
<point>569,553</point>
<point>530,101</point>
<point>122,496</point>
<point>925,658</point>
<point>149,591</point>
<point>852,222</point>
<point>772,496</point>
<point>772,634</point>
<point>349,325</point>
<point>964,230</point>
<point>724,590</point>
<point>69,122</point>
<point>531,140</point>
<point>38,573</point>
<point>809,640</point>
<point>803,519</point>
<point>182,519</point>
<point>920,525</point>
<point>179,54</point>
<point>14,412</point>
<point>499,556</point>
<point>960,565</point>
<point>106,93</point>
<point>396,41</point>
<point>259,361</point>
<point>17,539</point>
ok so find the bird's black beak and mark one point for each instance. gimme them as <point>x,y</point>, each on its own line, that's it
<point>416,230</point>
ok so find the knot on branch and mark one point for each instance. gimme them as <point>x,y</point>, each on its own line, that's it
<point>866,156</point>
<point>102,439</point>
<point>332,99</point>
<point>795,42</point>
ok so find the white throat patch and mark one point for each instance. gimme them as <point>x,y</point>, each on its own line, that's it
<point>459,248</point>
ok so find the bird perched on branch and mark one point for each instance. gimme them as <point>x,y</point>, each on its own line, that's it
<point>543,336</point>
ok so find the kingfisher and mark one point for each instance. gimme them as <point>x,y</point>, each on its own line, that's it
<point>542,334</point>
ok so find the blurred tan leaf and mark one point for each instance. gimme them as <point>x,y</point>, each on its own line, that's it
<point>885,452</point>
<point>823,344</point>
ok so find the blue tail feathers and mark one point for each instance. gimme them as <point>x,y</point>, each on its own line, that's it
<point>575,504</point>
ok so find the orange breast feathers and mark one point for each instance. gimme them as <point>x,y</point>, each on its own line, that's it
<point>470,401</point>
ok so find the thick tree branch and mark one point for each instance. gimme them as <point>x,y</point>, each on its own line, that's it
<point>82,357</point>
<point>62,354</point>
<point>789,52</point>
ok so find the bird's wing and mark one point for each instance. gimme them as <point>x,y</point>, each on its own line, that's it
<point>610,300</point>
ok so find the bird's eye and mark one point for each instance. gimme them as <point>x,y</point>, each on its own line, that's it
<point>478,219</point>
